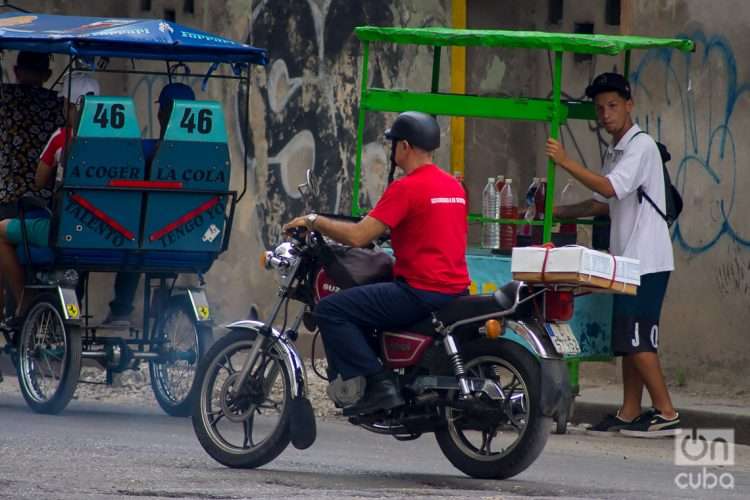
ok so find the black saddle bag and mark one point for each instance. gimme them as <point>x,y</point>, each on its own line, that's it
<point>350,266</point>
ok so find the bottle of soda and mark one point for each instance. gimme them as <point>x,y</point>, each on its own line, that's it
<point>508,210</point>
<point>539,198</point>
<point>491,210</point>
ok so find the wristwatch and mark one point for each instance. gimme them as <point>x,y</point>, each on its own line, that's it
<point>310,220</point>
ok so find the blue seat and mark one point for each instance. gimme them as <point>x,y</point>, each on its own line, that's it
<point>179,229</point>
<point>195,155</point>
<point>40,256</point>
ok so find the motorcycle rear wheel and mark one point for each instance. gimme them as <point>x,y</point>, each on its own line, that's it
<point>467,444</point>
<point>227,424</point>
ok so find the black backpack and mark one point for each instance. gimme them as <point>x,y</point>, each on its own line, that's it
<point>671,194</point>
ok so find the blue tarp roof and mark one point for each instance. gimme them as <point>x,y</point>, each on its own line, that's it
<point>121,37</point>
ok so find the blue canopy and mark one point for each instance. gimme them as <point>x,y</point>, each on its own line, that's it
<point>87,37</point>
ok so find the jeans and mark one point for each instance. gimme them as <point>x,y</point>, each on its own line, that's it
<point>345,317</point>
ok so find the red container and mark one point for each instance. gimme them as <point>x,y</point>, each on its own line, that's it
<point>508,210</point>
<point>558,306</point>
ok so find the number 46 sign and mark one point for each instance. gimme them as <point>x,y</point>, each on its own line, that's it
<point>196,121</point>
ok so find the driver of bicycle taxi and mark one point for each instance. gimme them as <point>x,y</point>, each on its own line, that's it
<point>169,93</point>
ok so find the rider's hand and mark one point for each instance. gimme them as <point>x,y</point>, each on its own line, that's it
<point>555,151</point>
<point>300,222</point>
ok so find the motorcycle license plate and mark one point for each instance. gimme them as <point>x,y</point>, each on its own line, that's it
<point>563,338</point>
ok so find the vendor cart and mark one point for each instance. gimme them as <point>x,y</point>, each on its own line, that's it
<point>592,322</point>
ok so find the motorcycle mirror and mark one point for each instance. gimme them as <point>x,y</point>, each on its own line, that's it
<point>312,183</point>
<point>309,190</point>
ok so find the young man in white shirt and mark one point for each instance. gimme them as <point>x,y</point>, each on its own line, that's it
<point>632,161</point>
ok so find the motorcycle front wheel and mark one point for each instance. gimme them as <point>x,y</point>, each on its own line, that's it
<point>242,423</point>
<point>486,447</point>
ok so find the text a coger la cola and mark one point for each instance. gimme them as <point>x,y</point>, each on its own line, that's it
<point>161,173</point>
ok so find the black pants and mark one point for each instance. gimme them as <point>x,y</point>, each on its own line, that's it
<point>126,284</point>
<point>346,316</point>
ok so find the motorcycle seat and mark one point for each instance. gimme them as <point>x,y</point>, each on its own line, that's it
<point>469,305</point>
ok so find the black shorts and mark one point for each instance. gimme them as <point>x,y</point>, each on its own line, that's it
<point>635,319</point>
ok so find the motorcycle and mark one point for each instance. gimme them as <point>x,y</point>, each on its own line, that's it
<point>488,400</point>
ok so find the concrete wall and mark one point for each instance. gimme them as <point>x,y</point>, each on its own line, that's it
<point>698,104</point>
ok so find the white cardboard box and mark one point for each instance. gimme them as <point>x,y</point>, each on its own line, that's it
<point>583,264</point>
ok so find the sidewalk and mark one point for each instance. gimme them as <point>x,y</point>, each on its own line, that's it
<point>696,409</point>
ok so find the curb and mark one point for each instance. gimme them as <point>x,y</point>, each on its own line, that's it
<point>591,412</point>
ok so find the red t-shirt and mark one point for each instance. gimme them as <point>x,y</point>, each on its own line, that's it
<point>426,211</point>
<point>52,152</point>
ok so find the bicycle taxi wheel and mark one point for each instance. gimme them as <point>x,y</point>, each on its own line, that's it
<point>181,342</point>
<point>49,357</point>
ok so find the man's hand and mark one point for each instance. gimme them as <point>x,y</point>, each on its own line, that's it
<point>556,152</point>
<point>595,182</point>
<point>358,234</point>
<point>297,222</point>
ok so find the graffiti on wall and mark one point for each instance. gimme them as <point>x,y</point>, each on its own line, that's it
<point>696,104</point>
<point>304,106</point>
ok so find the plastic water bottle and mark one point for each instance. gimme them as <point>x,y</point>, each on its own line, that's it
<point>508,210</point>
<point>539,200</point>
<point>491,210</point>
<point>530,212</point>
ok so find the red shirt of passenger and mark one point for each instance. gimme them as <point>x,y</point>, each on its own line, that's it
<point>426,211</point>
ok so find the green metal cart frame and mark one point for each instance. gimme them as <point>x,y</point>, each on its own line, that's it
<point>554,111</point>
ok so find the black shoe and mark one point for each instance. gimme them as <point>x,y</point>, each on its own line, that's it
<point>613,424</point>
<point>654,427</point>
<point>11,323</point>
<point>381,393</point>
<point>114,321</point>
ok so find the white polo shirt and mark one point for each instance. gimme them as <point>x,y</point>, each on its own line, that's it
<point>638,231</point>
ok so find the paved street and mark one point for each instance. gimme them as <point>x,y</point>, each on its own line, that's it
<point>105,451</point>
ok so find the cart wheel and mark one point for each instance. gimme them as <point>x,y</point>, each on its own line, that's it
<point>182,342</point>
<point>49,357</point>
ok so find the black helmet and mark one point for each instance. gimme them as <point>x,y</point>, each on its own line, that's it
<point>418,129</point>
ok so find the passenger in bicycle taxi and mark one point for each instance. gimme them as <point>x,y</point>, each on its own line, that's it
<point>426,213</point>
<point>126,283</point>
<point>29,114</point>
<point>48,175</point>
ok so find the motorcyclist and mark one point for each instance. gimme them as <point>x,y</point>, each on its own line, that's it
<point>425,211</point>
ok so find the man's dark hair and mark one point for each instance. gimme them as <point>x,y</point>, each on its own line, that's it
<point>609,82</point>
<point>33,61</point>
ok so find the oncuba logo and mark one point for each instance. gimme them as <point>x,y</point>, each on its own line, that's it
<point>705,448</point>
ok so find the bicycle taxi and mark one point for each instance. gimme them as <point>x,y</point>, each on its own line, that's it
<point>114,212</point>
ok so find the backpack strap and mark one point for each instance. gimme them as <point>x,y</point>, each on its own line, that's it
<point>642,193</point>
